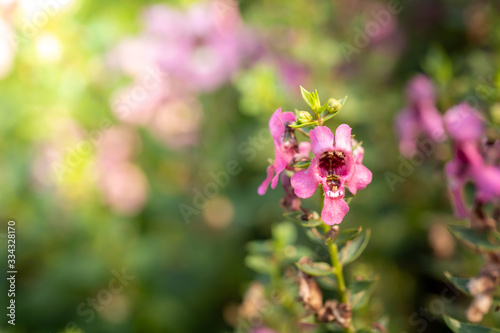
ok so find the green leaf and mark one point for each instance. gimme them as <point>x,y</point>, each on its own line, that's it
<point>316,269</point>
<point>482,240</point>
<point>327,282</point>
<point>347,234</point>
<point>260,247</point>
<point>313,236</point>
<point>353,249</point>
<point>322,108</point>
<point>259,263</point>
<point>459,327</point>
<point>438,64</point>
<point>284,233</point>
<point>312,123</point>
<point>303,164</point>
<point>460,283</point>
<point>360,292</point>
<point>306,95</point>
<point>296,217</point>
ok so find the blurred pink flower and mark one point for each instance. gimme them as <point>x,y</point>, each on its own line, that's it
<point>123,185</point>
<point>466,128</point>
<point>285,147</point>
<point>202,46</point>
<point>177,122</point>
<point>124,188</point>
<point>420,117</point>
<point>334,167</point>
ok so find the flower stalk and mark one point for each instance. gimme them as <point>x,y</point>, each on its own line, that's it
<point>336,264</point>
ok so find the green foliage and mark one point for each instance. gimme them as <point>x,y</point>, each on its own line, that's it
<point>353,249</point>
<point>481,240</point>
<point>459,327</point>
<point>316,268</point>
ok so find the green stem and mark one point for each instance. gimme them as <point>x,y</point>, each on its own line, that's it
<point>339,274</point>
<point>337,265</point>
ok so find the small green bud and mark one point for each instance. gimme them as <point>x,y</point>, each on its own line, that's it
<point>304,117</point>
<point>333,105</point>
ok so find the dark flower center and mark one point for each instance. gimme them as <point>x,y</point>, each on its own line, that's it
<point>289,139</point>
<point>333,165</point>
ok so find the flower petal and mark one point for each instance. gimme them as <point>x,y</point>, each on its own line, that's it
<point>334,210</point>
<point>464,123</point>
<point>305,182</point>
<point>304,148</point>
<point>343,138</point>
<point>280,163</point>
<point>487,181</point>
<point>456,180</point>
<point>263,187</point>
<point>276,125</point>
<point>361,178</point>
<point>406,124</point>
<point>287,117</point>
<point>321,140</point>
<point>431,119</point>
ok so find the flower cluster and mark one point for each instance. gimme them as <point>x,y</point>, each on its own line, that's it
<point>475,159</point>
<point>179,54</point>
<point>336,164</point>
<point>473,153</point>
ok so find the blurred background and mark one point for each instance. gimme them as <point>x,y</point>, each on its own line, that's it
<point>134,135</point>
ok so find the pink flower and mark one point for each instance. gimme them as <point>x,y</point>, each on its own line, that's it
<point>334,166</point>
<point>285,147</point>
<point>202,46</point>
<point>421,116</point>
<point>466,128</point>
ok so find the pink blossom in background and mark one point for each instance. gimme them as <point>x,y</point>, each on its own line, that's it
<point>123,185</point>
<point>202,45</point>
<point>124,188</point>
<point>466,128</point>
<point>136,104</point>
<point>57,154</point>
<point>334,166</point>
<point>420,117</point>
<point>177,122</point>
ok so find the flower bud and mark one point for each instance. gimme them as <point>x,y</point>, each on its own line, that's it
<point>333,105</point>
<point>304,117</point>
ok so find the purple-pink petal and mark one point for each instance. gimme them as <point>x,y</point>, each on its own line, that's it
<point>334,210</point>
<point>407,129</point>
<point>343,138</point>
<point>464,123</point>
<point>431,119</point>
<point>487,181</point>
<point>321,140</point>
<point>360,179</point>
<point>276,126</point>
<point>287,117</point>
<point>420,87</point>
<point>305,182</point>
<point>304,148</point>
<point>280,163</point>
<point>265,184</point>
